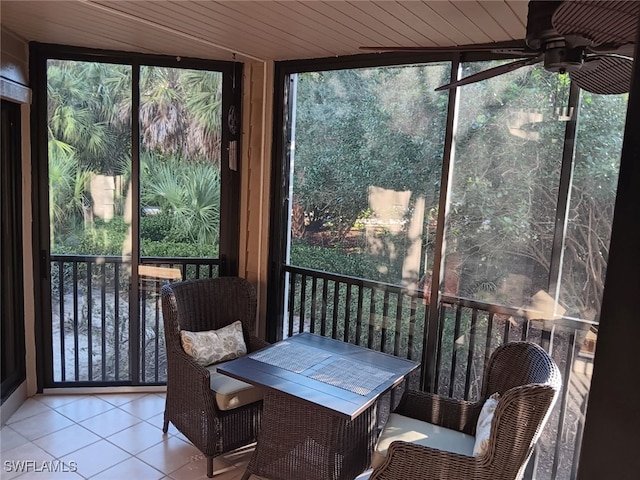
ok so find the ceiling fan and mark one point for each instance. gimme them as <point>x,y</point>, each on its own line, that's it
<point>592,40</point>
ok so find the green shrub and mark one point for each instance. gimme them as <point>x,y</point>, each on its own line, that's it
<point>99,238</point>
<point>158,239</point>
<point>168,248</point>
<point>337,260</point>
<point>162,228</point>
<point>155,227</point>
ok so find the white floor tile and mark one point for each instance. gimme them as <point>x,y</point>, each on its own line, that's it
<point>112,444</point>
<point>182,437</point>
<point>170,455</point>
<point>13,461</point>
<point>96,458</point>
<point>131,468</point>
<point>42,424</point>
<point>137,438</point>
<point>67,440</point>
<point>9,439</point>
<point>240,457</point>
<point>158,421</point>
<point>84,409</point>
<point>55,401</point>
<point>145,407</point>
<point>110,422</point>
<point>118,399</point>
<point>57,471</point>
<point>197,470</point>
<point>28,409</point>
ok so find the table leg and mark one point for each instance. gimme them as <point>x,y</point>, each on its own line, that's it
<point>299,441</point>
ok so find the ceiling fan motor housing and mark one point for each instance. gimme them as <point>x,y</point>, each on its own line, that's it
<point>561,54</point>
<point>563,59</point>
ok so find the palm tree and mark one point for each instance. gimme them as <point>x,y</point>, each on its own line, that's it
<point>82,111</point>
<point>180,112</point>
<point>189,192</point>
<point>204,107</point>
<point>68,182</point>
<point>89,113</point>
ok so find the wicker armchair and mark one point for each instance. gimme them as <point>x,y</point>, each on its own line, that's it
<point>528,381</point>
<point>199,305</point>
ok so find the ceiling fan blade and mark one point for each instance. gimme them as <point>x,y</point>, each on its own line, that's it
<point>515,47</point>
<point>627,49</point>
<point>492,72</point>
<point>611,75</point>
<point>603,22</point>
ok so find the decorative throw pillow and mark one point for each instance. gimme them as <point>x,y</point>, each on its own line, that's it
<point>483,427</point>
<point>214,346</point>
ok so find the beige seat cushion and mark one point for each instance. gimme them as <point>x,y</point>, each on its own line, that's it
<point>406,429</point>
<point>365,475</point>
<point>231,393</point>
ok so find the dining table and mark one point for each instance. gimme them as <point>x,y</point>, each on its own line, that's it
<point>319,417</point>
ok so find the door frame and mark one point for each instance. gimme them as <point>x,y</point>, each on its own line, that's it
<point>13,337</point>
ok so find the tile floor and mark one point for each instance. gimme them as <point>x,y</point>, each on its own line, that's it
<point>106,437</point>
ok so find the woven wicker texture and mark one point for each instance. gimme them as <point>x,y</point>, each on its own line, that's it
<point>295,358</point>
<point>300,442</point>
<point>352,375</point>
<point>529,383</point>
<point>198,305</point>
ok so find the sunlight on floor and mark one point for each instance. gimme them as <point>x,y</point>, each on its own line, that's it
<point>105,437</point>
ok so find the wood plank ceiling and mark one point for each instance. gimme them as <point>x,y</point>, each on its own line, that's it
<point>262,30</point>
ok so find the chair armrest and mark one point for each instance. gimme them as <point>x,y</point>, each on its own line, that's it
<point>447,412</point>
<point>256,343</point>
<point>407,460</point>
<point>193,378</point>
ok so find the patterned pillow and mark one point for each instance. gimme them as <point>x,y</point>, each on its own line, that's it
<point>215,346</point>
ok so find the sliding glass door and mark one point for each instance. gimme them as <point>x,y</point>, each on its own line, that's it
<point>138,179</point>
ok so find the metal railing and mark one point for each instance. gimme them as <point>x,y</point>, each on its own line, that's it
<point>392,319</point>
<point>95,339</point>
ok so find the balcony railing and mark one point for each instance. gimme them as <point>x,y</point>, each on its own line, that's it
<point>96,341</point>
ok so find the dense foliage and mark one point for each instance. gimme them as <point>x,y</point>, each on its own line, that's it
<point>89,119</point>
<point>358,133</point>
<point>362,130</point>
<point>358,128</point>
